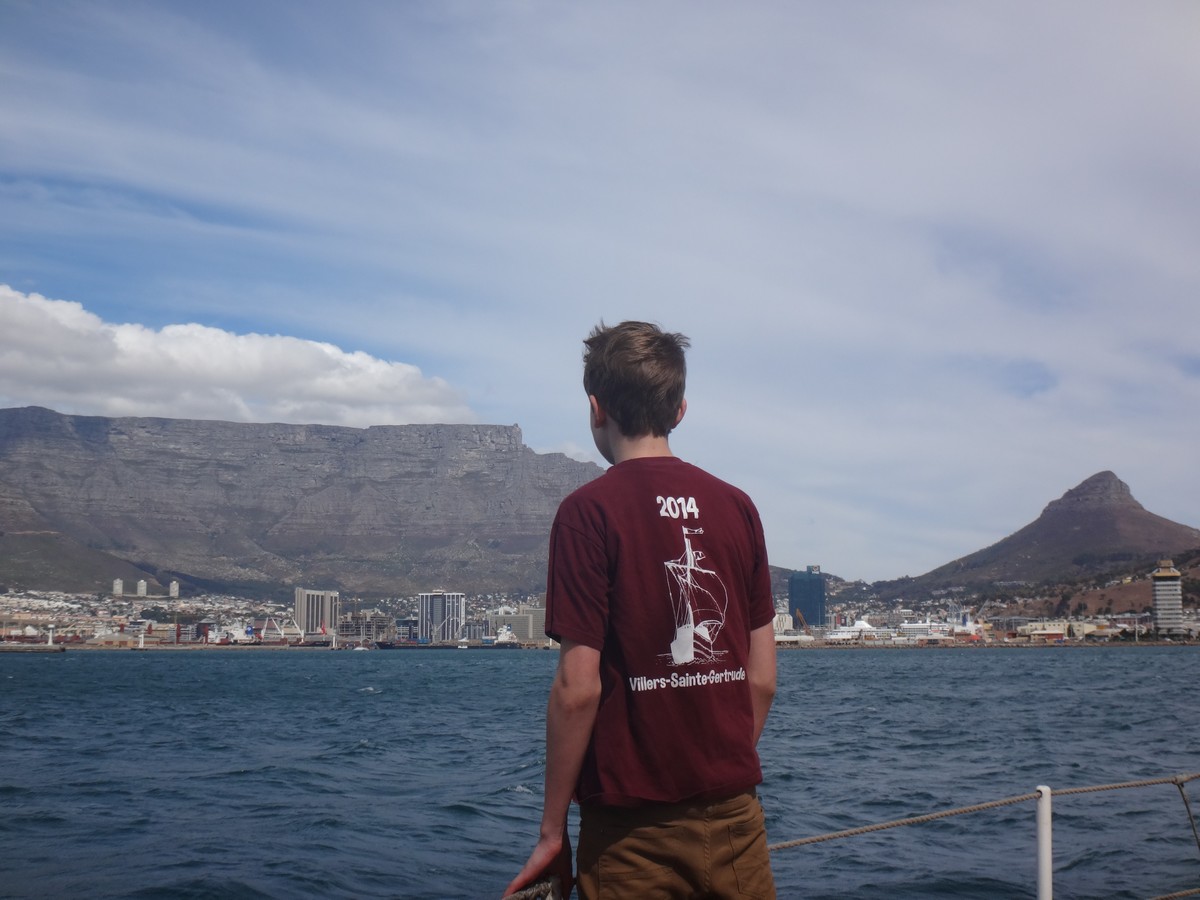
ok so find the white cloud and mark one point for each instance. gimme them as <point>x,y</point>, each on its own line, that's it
<point>55,353</point>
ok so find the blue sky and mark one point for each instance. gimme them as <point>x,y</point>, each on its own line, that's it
<point>938,261</point>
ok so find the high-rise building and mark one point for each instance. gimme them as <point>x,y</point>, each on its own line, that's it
<point>118,587</point>
<point>141,588</point>
<point>316,612</point>
<point>441,615</point>
<point>174,590</point>
<point>806,597</point>
<point>1168,598</point>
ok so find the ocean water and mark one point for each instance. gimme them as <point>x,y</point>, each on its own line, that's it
<point>418,773</point>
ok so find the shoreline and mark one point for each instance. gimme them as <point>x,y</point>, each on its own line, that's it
<point>989,645</point>
<point>813,645</point>
<point>180,648</point>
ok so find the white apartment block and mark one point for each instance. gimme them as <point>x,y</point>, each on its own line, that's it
<point>1168,597</point>
<point>316,612</point>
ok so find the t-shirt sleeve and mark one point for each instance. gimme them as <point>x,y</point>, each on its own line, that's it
<point>762,601</point>
<point>577,583</point>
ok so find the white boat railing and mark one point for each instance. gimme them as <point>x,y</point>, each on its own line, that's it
<point>1043,795</point>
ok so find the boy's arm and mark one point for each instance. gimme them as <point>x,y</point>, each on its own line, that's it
<point>570,714</point>
<point>760,673</point>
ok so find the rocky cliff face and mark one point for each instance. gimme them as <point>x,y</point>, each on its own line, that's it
<point>386,510</point>
<point>1103,494</point>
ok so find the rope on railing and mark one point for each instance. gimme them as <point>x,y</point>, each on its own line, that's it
<point>915,820</point>
<point>1178,780</point>
<point>1173,779</point>
<point>552,889</point>
<point>1182,793</point>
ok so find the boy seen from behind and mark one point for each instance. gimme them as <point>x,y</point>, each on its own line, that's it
<point>659,594</point>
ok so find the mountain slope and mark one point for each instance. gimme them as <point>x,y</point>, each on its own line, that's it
<point>1092,528</point>
<point>383,510</point>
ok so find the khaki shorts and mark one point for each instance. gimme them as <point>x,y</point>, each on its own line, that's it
<point>665,852</point>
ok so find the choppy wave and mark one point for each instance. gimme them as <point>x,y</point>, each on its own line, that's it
<point>418,774</point>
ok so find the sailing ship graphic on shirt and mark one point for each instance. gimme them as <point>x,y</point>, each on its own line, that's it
<point>699,601</point>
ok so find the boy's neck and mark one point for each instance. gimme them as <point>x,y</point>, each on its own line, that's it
<point>616,447</point>
<point>641,447</point>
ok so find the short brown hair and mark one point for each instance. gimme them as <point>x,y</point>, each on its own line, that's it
<point>637,373</point>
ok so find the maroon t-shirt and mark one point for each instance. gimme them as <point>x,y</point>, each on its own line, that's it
<point>663,569</point>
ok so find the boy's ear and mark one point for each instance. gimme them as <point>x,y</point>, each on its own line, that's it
<point>598,415</point>
<point>682,410</point>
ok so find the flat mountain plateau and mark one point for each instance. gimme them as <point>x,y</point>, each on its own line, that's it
<point>257,509</point>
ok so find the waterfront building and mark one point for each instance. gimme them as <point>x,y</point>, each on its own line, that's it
<point>528,623</point>
<point>407,629</point>
<point>1168,598</point>
<point>475,631</point>
<point>273,629</point>
<point>369,625</point>
<point>440,616</point>
<point>785,631</point>
<point>316,612</point>
<point>806,597</point>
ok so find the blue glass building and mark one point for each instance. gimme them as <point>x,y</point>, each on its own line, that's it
<point>806,597</point>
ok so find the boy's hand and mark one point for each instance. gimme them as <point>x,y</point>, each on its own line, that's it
<point>551,856</point>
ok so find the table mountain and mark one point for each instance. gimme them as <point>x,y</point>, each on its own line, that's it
<point>387,510</point>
